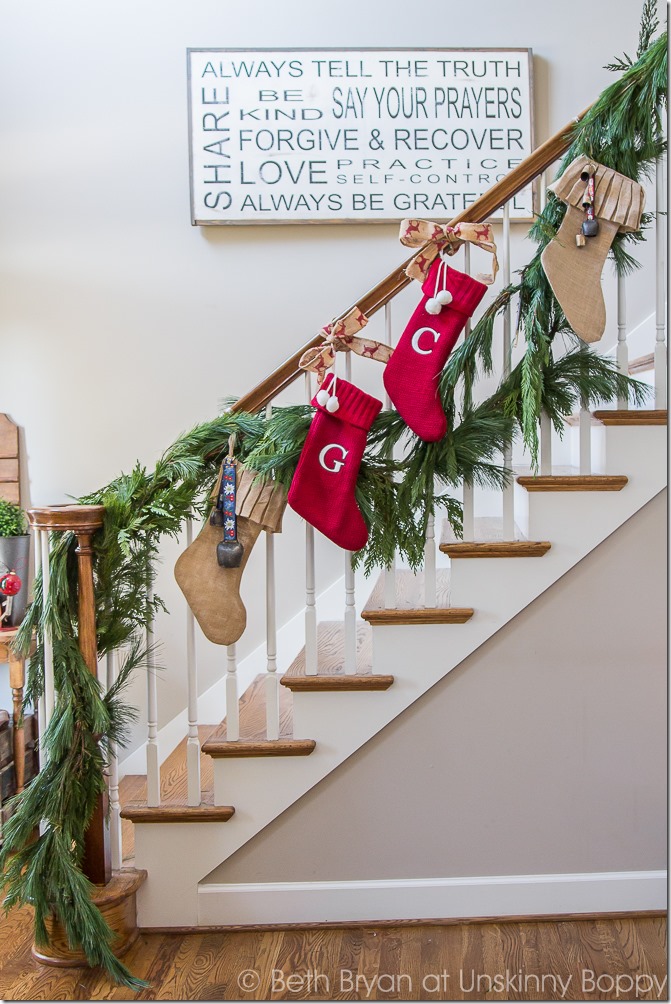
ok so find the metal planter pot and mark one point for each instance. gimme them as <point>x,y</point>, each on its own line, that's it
<point>14,557</point>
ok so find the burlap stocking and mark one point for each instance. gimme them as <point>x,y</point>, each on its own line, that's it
<point>574,269</point>
<point>213,592</point>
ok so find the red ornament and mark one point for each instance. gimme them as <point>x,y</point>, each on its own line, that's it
<point>10,584</point>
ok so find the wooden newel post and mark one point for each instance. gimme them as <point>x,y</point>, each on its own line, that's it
<point>83,521</point>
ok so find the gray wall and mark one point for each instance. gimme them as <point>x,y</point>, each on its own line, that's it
<point>544,752</point>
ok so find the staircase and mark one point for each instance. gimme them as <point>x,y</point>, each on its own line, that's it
<point>402,651</point>
<point>227,780</point>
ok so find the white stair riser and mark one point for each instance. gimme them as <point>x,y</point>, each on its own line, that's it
<point>615,447</point>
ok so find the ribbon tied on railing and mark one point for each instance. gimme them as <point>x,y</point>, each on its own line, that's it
<point>340,336</point>
<point>438,237</point>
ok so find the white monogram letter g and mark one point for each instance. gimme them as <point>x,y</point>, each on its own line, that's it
<point>336,465</point>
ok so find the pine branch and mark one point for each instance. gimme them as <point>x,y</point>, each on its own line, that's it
<point>649,25</point>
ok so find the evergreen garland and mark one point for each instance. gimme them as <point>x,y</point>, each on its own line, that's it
<point>623,131</point>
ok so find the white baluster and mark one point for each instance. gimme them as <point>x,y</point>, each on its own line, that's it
<point>585,431</point>
<point>310,599</point>
<point>508,491</point>
<point>622,348</point>
<point>542,181</point>
<point>41,704</point>
<point>232,705</point>
<point>48,644</point>
<point>350,599</point>
<point>115,806</point>
<point>193,739</point>
<point>350,616</point>
<point>468,503</point>
<point>390,571</point>
<point>153,766</point>
<point>430,564</point>
<point>468,497</point>
<point>546,443</point>
<point>272,683</point>
<point>660,291</point>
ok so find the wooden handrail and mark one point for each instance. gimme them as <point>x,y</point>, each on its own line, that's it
<point>386,290</point>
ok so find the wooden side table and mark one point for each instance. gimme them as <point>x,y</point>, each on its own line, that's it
<point>17,679</point>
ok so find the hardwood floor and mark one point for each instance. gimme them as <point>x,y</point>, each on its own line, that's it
<point>600,958</point>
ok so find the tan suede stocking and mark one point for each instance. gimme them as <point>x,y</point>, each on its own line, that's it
<point>574,272</point>
<point>213,592</point>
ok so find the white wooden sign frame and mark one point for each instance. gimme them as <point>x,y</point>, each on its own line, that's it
<point>373,135</point>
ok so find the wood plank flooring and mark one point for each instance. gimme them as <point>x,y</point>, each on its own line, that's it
<point>554,959</point>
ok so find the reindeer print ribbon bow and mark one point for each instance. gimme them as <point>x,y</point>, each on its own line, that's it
<point>416,233</point>
<point>339,336</point>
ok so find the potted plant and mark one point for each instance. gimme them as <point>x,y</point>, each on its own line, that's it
<point>14,565</point>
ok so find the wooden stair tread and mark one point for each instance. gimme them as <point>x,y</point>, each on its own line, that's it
<point>574,420</point>
<point>487,528</point>
<point>558,470</point>
<point>253,741</point>
<point>133,788</point>
<point>172,813</point>
<point>573,482</point>
<point>642,363</point>
<point>633,416</point>
<point>627,416</point>
<point>489,542</point>
<point>497,548</point>
<point>330,663</point>
<point>252,707</point>
<point>218,748</point>
<point>410,607</point>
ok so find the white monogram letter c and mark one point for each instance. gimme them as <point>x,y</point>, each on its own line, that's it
<point>336,464</point>
<point>415,341</point>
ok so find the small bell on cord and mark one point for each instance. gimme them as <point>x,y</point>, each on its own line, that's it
<point>590,226</point>
<point>229,553</point>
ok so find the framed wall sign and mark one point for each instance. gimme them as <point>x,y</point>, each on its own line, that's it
<point>355,135</point>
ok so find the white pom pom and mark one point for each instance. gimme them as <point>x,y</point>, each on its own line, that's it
<point>323,398</point>
<point>433,306</point>
<point>444,297</point>
<point>332,404</point>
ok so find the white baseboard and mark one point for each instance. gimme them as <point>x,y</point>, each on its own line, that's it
<point>425,899</point>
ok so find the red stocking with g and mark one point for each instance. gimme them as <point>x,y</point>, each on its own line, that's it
<point>322,490</point>
<point>412,374</point>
